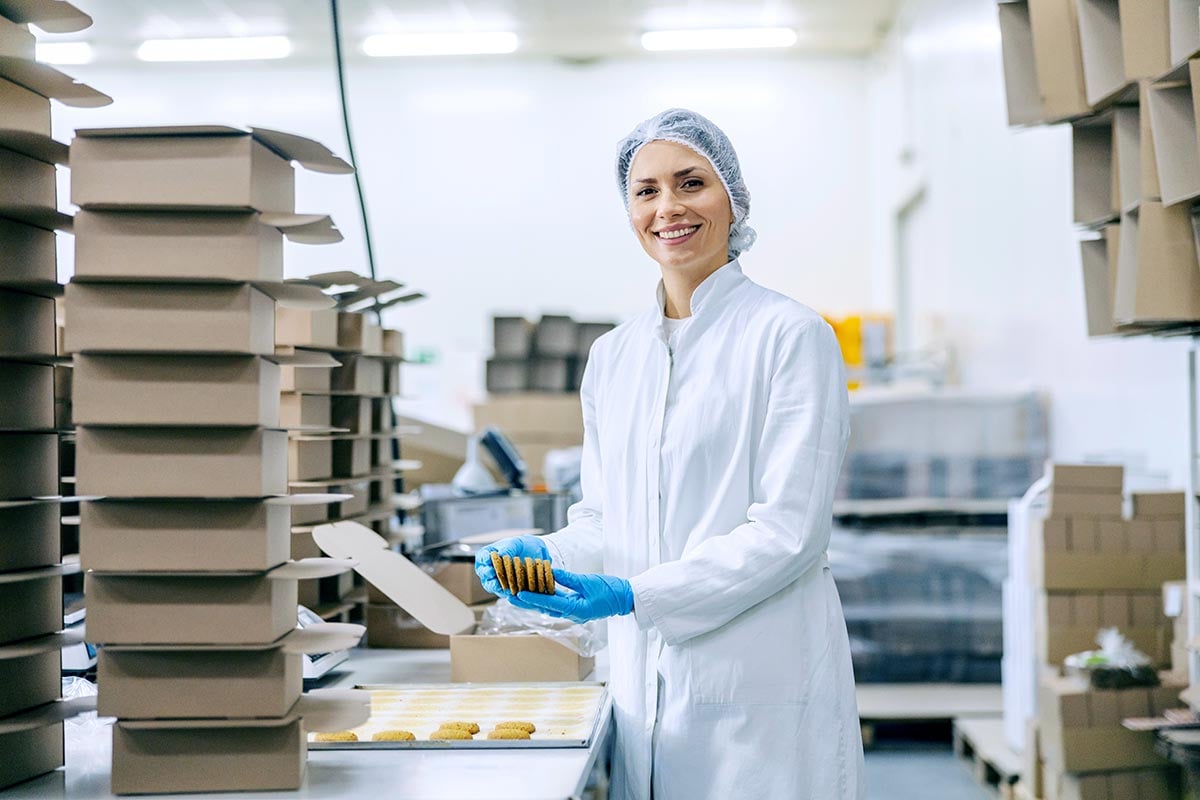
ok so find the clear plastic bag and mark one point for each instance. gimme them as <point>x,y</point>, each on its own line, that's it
<point>586,639</point>
<point>86,735</point>
<point>1116,665</point>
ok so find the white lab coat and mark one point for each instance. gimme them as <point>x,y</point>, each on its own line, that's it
<point>733,677</point>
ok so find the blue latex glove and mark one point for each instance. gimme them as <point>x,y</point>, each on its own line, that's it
<point>586,597</point>
<point>517,547</point>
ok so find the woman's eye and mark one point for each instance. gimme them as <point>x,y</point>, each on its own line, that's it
<point>693,183</point>
<point>645,192</point>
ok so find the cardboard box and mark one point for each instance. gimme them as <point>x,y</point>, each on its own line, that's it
<point>28,260</point>
<point>393,343</point>
<point>28,184</point>
<point>1067,623</point>
<point>189,318</point>
<point>1021,89</point>
<point>351,456</point>
<point>1159,504</point>
<point>1172,104</point>
<point>184,536</point>
<point>1058,57</point>
<point>588,333</point>
<point>309,458</point>
<point>1157,278</point>
<point>534,454</point>
<point>1101,48</point>
<point>1106,570</point>
<point>1067,502</point>
<point>304,410</point>
<point>1141,784</point>
<point>1145,37</point>
<point>192,167</point>
<point>26,396</point>
<point>29,680</point>
<point>383,418</point>
<point>356,332</point>
<point>24,110</point>
<point>306,327</point>
<point>303,379</point>
<point>533,417</point>
<point>1078,735</point>
<point>551,374</point>
<point>28,328</point>
<point>514,658</point>
<point>457,576</point>
<point>181,462</point>
<point>389,626</point>
<point>512,337</point>
<point>29,536</point>
<point>556,337</point>
<point>32,603</point>
<point>197,608</point>
<point>1099,258</point>
<point>30,465</point>
<point>352,413</point>
<point>360,499</point>
<point>391,377</point>
<point>1184,31</point>
<point>30,752</point>
<point>1086,477</point>
<point>505,376</point>
<point>358,375</point>
<point>176,390</point>
<point>1031,760</point>
<point>1134,148</point>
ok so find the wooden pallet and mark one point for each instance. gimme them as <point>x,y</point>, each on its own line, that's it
<point>981,744</point>
<point>922,708</point>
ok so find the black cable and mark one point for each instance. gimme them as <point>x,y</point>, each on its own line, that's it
<point>341,79</point>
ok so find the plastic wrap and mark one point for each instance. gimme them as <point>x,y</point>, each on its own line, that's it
<point>82,733</point>
<point>586,639</point>
<point>1116,665</point>
<point>922,604</point>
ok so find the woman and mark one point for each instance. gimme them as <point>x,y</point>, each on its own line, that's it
<point>714,429</point>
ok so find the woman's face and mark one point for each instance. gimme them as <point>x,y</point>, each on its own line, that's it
<point>679,208</point>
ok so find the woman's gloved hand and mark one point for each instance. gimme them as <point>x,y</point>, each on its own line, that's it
<point>517,547</point>
<point>587,597</point>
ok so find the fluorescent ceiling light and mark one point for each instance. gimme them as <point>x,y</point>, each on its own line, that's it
<point>238,48</point>
<point>64,52</point>
<point>440,44</point>
<point>719,39</point>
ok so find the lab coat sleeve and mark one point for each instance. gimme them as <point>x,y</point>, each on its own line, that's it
<point>795,470</point>
<point>579,547</point>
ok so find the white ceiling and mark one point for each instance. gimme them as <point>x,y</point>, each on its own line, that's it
<point>566,28</point>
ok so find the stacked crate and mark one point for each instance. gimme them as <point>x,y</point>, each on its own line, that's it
<point>33,571</point>
<point>1093,569</point>
<point>357,458</point>
<point>171,317</point>
<point>548,356</point>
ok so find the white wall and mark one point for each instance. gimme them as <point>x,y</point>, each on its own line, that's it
<point>997,258</point>
<point>490,182</point>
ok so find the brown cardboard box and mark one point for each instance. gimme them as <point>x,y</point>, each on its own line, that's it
<point>1137,170</point>
<point>457,576</point>
<point>391,377</point>
<point>28,328</point>
<point>1020,73</point>
<point>358,375</point>
<point>160,757</point>
<point>28,259</point>
<point>514,658</point>
<point>1157,279</point>
<point>26,396</point>
<point>1059,59</point>
<point>1067,623</point>
<point>533,416</point>
<point>1086,477</point>
<point>1185,34</point>
<point>1094,155</point>
<point>357,333</point>
<point>32,604</point>
<point>1077,735</point>
<point>183,536</point>
<point>1145,37</point>
<point>28,184</point>
<point>16,41</point>
<point>1099,258</point>
<point>309,458</point>
<point>1031,759</point>
<point>389,626</point>
<point>351,456</point>
<point>29,680</point>
<point>303,379</point>
<point>306,327</point>
<point>24,110</point>
<point>1172,107</point>
<point>29,536</point>
<point>30,465</point>
<point>191,167</point>
<point>393,342</point>
<point>352,413</point>
<point>30,752</point>
<point>140,246</point>
<point>534,455</point>
<point>1100,39</point>
<point>360,498</point>
<point>1159,504</point>
<point>1068,502</point>
<point>1140,784</point>
<point>299,410</point>
<point>229,391</point>
<point>188,318</point>
<point>181,462</point>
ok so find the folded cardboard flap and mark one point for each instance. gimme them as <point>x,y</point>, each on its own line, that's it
<point>325,637</point>
<point>307,499</point>
<point>49,714</point>
<point>49,82</point>
<point>310,568</point>
<point>306,359</point>
<point>334,709</point>
<point>52,16</point>
<point>35,145</point>
<point>404,583</point>
<point>69,566</point>
<point>303,228</point>
<point>42,644</point>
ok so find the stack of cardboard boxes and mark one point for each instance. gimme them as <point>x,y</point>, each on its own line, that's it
<point>171,317</point>
<point>1123,73</point>
<point>31,573</point>
<point>548,356</point>
<point>1093,569</point>
<point>535,424</point>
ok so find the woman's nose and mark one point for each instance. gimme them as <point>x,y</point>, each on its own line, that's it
<point>669,205</point>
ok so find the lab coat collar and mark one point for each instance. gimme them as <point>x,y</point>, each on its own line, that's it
<point>708,294</point>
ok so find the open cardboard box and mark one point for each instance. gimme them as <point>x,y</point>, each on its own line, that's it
<point>189,535</point>
<point>29,535</point>
<point>1059,59</point>
<point>177,756</point>
<point>1100,25</point>
<point>297,410</point>
<point>355,414</point>
<point>310,458</point>
<point>391,627</point>
<point>1184,30</point>
<point>475,658</point>
<point>1020,71</point>
<point>181,462</point>
<point>1099,258</point>
<point>1097,194</point>
<point>359,375</point>
<point>170,246</point>
<point>214,682</point>
<point>28,330</point>
<point>192,167</point>
<point>31,671</point>
<point>1145,37</point>
<point>26,396</point>
<point>1134,152</point>
<point>32,742</point>
<point>293,379</point>
<point>225,608</point>
<point>1172,104</point>
<point>307,327</point>
<point>359,334</point>
<point>1157,276</point>
<point>28,260</point>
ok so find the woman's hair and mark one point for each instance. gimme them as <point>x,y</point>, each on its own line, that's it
<point>692,130</point>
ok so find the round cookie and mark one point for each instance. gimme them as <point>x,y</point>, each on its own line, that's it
<point>337,736</point>
<point>508,733</point>
<point>394,736</point>
<point>528,727</point>
<point>470,727</point>
<point>450,734</point>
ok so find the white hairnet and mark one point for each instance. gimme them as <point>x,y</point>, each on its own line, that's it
<point>700,134</point>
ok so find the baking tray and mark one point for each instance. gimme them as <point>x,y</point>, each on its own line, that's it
<point>567,715</point>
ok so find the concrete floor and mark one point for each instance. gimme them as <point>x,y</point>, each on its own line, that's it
<point>899,771</point>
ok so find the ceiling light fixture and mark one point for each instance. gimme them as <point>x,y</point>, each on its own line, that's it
<point>64,52</point>
<point>385,45</point>
<point>718,39</point>
<point>237,48</point>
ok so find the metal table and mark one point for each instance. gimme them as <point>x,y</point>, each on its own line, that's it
<point>404,775</point>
